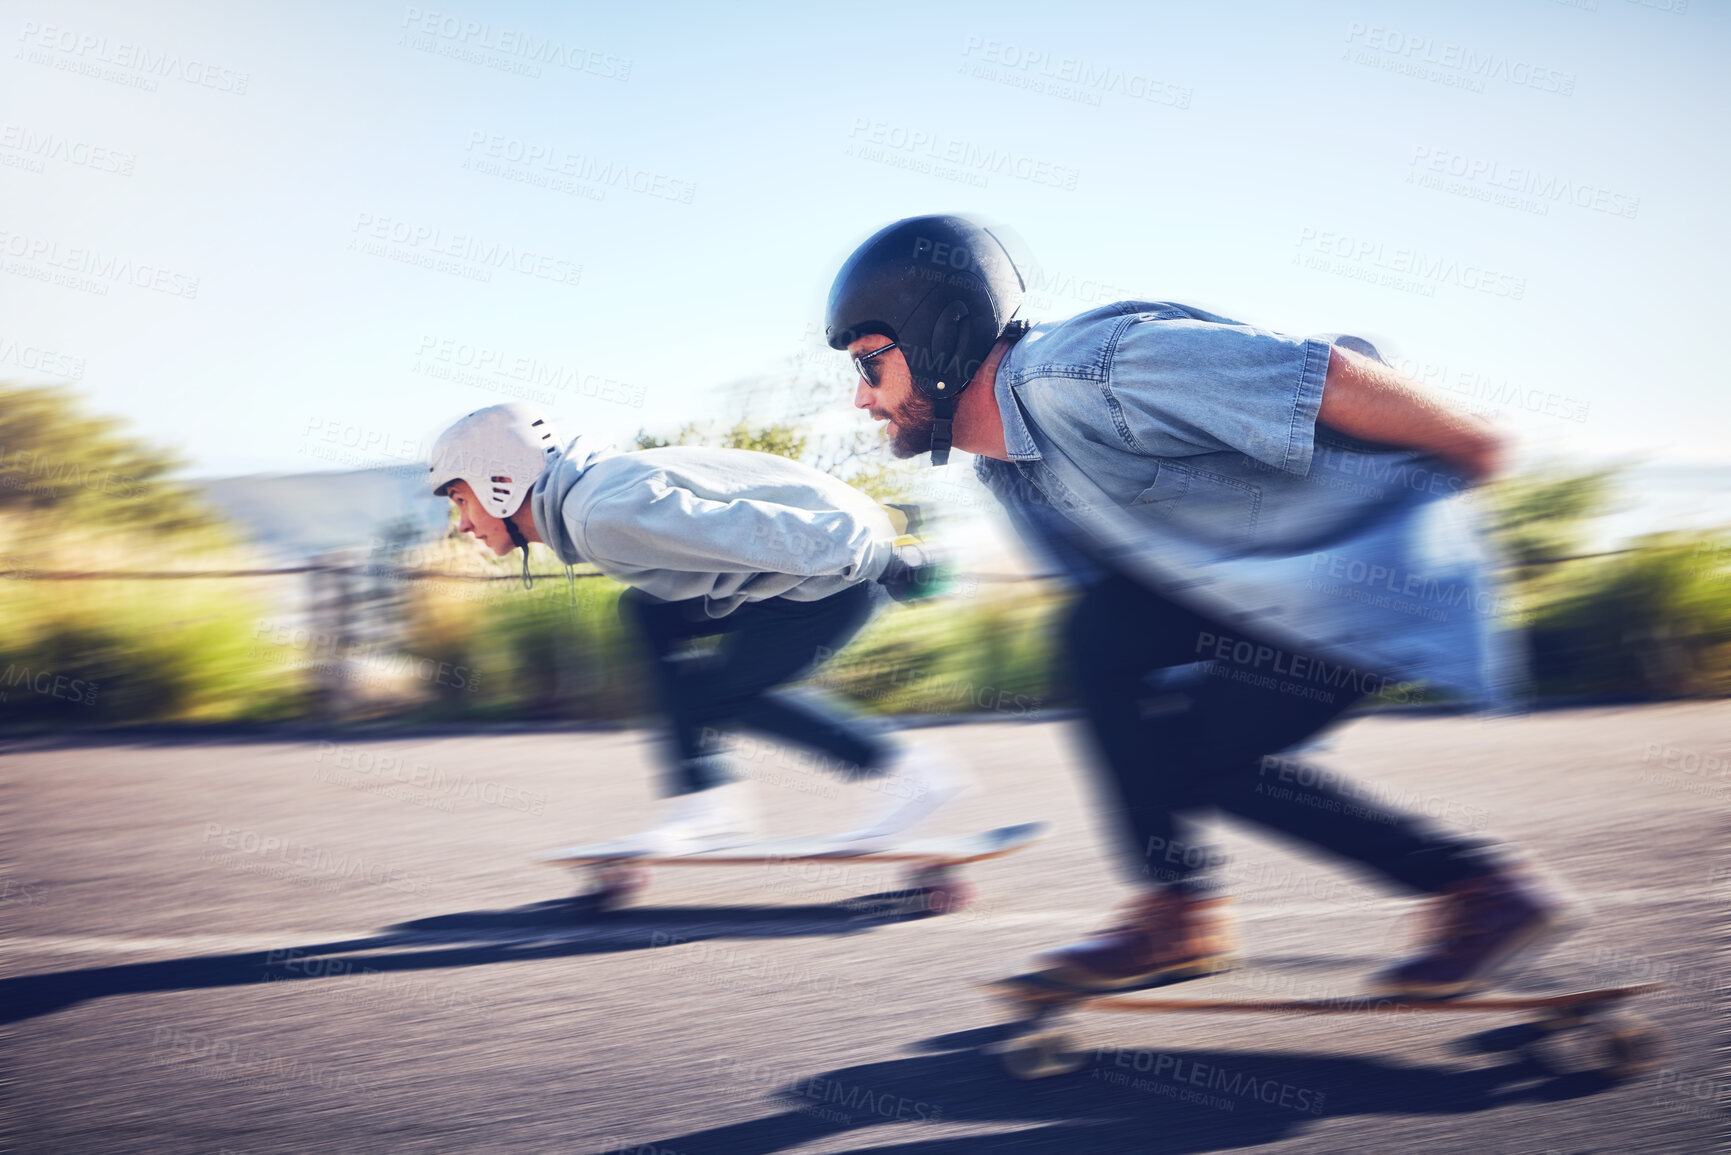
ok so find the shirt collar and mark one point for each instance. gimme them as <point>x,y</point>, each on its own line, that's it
<point>1018,440</point>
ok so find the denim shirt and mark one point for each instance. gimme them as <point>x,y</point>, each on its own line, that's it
<point>1181,449</point>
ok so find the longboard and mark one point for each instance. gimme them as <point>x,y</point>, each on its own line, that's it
<point>933,883</point>
<point>1604,1040</point>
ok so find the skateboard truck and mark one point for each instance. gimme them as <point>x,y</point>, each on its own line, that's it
<point>615,884</point>
<point>937,889</point>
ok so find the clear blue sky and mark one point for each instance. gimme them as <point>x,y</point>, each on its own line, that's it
<point>1278,163</point>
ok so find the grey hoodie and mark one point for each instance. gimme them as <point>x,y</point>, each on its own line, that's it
<point>726,525</point>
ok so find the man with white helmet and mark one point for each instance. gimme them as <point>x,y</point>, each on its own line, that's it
<point>784,562</point>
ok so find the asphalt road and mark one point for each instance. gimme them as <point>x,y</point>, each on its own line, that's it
<point>301,946</point>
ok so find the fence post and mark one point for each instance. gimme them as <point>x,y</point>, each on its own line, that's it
<point>329,615</point>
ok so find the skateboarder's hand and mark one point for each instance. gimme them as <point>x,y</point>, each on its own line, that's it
<point>917,571</point>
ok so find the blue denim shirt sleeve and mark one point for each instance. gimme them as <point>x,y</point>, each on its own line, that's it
<point>1190,386</point>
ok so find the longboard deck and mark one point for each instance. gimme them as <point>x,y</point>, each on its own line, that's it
<point>1570,1032</point>
<point>953,850</point>
<point>1039,990</point>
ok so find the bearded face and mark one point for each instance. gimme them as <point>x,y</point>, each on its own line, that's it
<point>911,425</point>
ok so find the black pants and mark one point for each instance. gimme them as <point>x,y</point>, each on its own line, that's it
<point>1214,741</point>
<point>763,645</point>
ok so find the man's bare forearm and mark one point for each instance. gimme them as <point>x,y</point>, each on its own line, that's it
<point>1366,399</point>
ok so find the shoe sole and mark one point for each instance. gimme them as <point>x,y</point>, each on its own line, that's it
<point>1540,939</point>
<point>1197,969</point>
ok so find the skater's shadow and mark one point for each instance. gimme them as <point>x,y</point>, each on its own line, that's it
<point>561,928</point>
<point>1176,1100</point>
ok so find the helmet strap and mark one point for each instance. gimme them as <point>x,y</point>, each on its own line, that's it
<point>944,408</point>
<point>943,418</point>
<point>522,543</point>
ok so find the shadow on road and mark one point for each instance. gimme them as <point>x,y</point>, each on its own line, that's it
<point>1187,1100</point>
<point>542,930</point>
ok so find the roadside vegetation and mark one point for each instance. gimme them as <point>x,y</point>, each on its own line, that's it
<point>78,494</point>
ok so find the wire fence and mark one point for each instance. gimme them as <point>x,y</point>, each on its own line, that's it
<point>397,574</point>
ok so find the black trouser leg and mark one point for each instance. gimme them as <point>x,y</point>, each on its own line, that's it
<point>763,645</point>
<point>1211,740</point>
<point>1116,636</point>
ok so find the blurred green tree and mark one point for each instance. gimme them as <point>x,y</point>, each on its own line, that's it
<point>1547,512</point>
<point>57,460</point>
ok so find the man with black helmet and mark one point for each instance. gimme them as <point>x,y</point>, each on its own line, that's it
<point>1264,529</point>
<point>782,562</point>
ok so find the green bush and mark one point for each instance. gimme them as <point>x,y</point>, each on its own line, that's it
<point>98,653</point>
<point>1654,622</point>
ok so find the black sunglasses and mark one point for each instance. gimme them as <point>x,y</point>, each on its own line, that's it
<point>862,364</point>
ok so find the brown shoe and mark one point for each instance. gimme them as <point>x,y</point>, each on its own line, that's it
<point>1164,937</point>
<point>1474,928</point>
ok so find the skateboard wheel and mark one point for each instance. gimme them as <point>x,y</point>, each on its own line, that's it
<point>1625,1047</point>
<point>945,897</point>
<point>616,885</point>
<point>937,890</point>
<point>1612,1048</point>
<point>1043,1055</point>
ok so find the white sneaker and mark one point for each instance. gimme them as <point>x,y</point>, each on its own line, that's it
<point>712,819</point>
<point>919,782</point>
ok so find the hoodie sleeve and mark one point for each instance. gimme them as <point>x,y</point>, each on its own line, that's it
<point>655,524</point>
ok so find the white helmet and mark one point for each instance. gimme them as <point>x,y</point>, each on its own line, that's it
<point>500,451</point>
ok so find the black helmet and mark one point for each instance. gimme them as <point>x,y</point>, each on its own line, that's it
<point>943,288</point>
